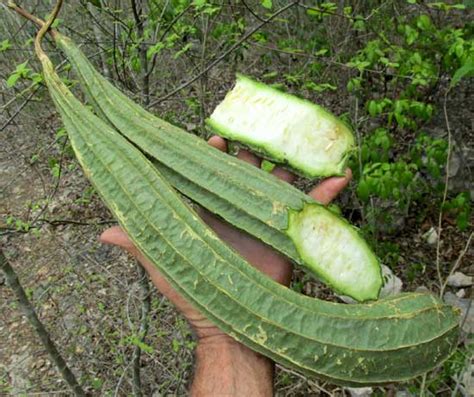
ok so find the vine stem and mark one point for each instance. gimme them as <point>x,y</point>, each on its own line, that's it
<point>39,37</point>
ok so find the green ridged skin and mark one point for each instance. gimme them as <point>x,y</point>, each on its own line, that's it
<point>284,128</point>
<point>355,345</point>
<point>245,196</point>
<point>223,208</point>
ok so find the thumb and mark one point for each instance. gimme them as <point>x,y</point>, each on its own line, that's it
<point>116,236</point>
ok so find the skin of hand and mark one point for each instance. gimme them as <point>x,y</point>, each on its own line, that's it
<point>224,366</point>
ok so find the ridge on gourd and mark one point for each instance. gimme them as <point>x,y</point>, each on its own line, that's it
<point>386,341</point>
<point>245,196</point>
<point>284,128</point>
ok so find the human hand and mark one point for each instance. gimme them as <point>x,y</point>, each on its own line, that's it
<point>224,366</point>
<point>260,255</point>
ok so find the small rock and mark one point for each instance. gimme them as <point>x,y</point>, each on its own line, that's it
<point>461,293</point>
<point>459,279</point>
<point>467,310</point>
<point>423,289</point>
<point>346,299</point>
<point>360,391</point>
<point>190,126</point>
<point>455,163</point>
<point>403,393</point>
<point>102,291</point>
<point>468,380</point>
<point>431,236</point>
<point>392,284</point>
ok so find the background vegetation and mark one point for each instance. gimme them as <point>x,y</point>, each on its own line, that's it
<point>399,72</point>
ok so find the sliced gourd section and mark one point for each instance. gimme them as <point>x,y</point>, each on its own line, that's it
<point>284,128</point>
<point>334,250</point>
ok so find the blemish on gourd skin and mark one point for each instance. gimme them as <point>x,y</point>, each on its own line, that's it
<point>282,350</point>
<point>261,336</point>
<point>278,208</point>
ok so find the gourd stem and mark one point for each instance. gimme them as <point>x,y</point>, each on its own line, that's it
<point>39,37</point>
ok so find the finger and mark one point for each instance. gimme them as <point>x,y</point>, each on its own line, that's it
<point>116,236</point>
<point>328,189</point>
<point>218,143</point>
<point>283,174</point>
<point>251,158</point>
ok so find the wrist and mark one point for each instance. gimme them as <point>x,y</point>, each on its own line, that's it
<point>240,370</point>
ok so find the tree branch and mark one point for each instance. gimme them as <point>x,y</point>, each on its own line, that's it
<point>30,313</point>
<point>225,54</point>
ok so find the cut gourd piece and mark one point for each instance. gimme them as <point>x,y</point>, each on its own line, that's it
<point>333,249</point>
<point>284,128</point>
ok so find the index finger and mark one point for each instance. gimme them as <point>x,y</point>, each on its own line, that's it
<point>324,192</point>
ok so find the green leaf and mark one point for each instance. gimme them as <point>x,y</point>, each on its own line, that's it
<point>423,22</point>
<point>13,79</point>
<point>373,108</point>
<point>319,87</point>
<point>135,340</point>
<point>268,4</point>
<point>462,221</point>
<point>469,3</point>
<point>176,345</point>
<point>21,68</point>
<point>183,50</point>
<point>155,49</point>
<point>56,23</point>
<point>466,70</point>
<point>5,45</point>
<point>363,190</point>
<point>267,166</point>
<point>56,171</point>
<point>270,75</point>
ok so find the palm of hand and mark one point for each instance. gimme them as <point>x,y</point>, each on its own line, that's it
<point>255,252</point>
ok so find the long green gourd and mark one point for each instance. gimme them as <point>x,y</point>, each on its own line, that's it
<point>354,345</point>
<point>249,198</point>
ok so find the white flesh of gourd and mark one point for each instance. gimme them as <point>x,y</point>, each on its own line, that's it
<point>333,247</point>
<point>285,128</point>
